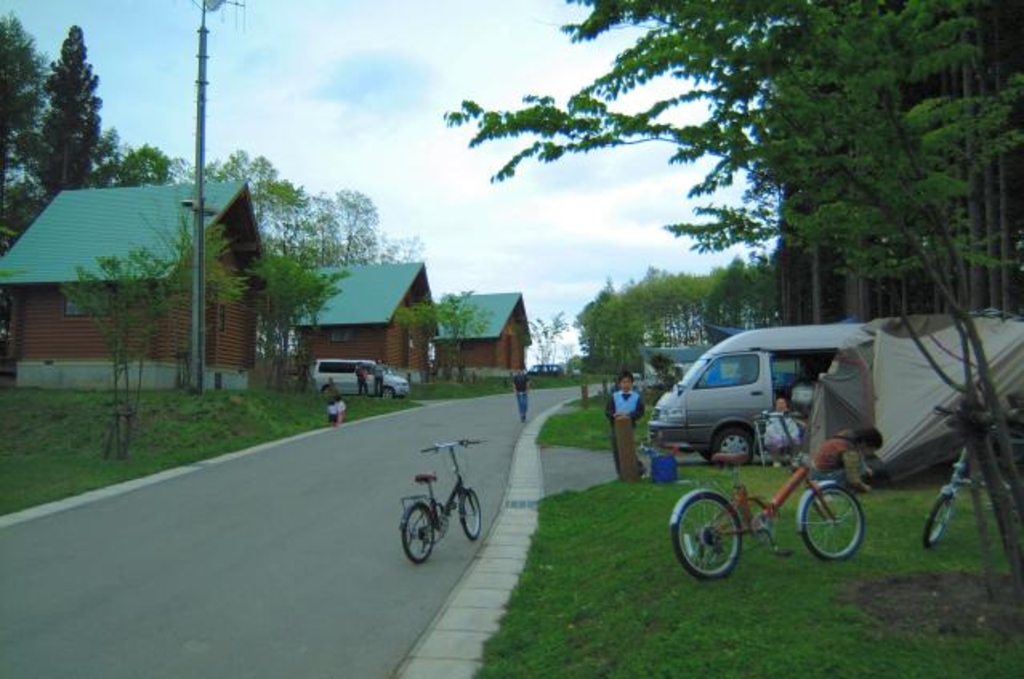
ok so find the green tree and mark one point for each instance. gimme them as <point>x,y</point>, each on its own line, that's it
<point>611,332</point>
<point>888,127</point>
<point>546,335</point>
<point>293,295</point>
<point>672,307</point>
<point>420,321</point>
<point>71,124</point>
<point>21,105</point>
<point>123,165</point>
<point>344,229</point>
<point>458,319</point>
<point>279,206</point>
<point>319,230</point>
<point>742,296</point>
<point>127,298</point>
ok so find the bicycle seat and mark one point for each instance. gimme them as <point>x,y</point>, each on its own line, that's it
<point>730,458</point>
<point>428,477</point>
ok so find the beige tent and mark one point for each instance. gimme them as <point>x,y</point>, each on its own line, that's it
<point>880,377</point>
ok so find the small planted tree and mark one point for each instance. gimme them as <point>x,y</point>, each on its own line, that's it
<point>126,298</point>
<point>292,295</point>
<point>129,300</point>
<point>420,321</point>
<point>458,319</point>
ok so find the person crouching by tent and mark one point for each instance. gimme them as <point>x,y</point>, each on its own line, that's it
<point>844,457</point>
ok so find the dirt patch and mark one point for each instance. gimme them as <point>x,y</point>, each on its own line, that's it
<point>940,603</point>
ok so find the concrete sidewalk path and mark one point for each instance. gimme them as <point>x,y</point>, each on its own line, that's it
<point>452,646</point>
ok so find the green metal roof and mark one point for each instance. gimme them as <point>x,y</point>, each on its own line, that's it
<point>81,225</point>
<point>498,308</point>
<point>370,294</point>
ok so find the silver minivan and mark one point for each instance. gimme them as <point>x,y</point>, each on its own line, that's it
<point>714,406</point>
<point>343,372</point>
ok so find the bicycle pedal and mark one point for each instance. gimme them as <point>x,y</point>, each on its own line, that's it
<point>783,553</point>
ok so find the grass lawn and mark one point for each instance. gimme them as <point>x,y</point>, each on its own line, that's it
<point>587,428</point>
<point>602,594</point>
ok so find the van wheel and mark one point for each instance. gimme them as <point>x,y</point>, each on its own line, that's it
<point>733,440</point>
<point>388,393</point>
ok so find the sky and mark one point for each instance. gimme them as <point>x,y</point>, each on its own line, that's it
<point>351,95</point>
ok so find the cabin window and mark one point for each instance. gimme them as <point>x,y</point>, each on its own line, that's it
<point>222,316</point>
<point>71,309</point>
<point>342,335</point>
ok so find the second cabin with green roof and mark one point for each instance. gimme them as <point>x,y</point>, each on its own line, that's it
<point>499,347</point>
<point>359,321</point>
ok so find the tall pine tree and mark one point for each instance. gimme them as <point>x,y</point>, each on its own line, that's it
<point>21,105</point>
<point>71,126</point>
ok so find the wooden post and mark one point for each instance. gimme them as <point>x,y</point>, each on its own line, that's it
<point>629,470</point>
<point>585,395</point>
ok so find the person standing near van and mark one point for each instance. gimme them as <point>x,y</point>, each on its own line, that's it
<point>521,388</point>
<point>624,403</point>
<point>361,380</point>
<point>782,434</point>
<point>378,379</point>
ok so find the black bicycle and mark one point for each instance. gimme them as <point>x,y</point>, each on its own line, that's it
<point>425,519</point>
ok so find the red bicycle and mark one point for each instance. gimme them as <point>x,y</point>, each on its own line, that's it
<point>708,527</point>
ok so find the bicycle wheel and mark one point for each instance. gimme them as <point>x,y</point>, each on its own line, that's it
<point>938,519</point>
<point>469,513</point>
<point>706,534</point>
<point>831,524</point>
<point>417,532</point>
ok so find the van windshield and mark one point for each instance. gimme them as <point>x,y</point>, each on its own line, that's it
<point>694,372</point>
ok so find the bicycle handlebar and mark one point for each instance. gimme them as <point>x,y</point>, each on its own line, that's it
<point>443,445</point>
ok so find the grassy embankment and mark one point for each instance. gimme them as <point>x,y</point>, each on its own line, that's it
<point>52,441</point>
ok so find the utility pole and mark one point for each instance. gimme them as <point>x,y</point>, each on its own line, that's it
<point>198,352</point>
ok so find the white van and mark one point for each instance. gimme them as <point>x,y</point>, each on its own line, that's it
<point>343,371</point>
<point>714,406</point>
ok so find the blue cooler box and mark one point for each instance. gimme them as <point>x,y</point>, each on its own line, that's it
<point>663,469</point>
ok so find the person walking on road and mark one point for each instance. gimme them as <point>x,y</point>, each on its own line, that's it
<point>521,388</point>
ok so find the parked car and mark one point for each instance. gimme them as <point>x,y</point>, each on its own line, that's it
<point>343,370</point>
<point>546,370</point>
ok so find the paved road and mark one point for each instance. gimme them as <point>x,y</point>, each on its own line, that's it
<point>285,562</point>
